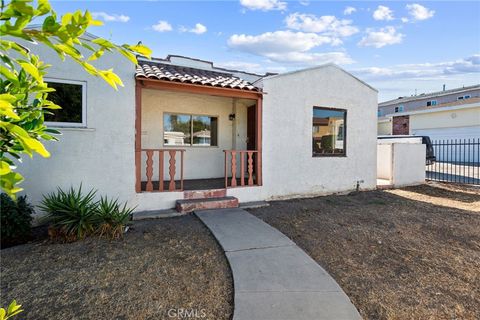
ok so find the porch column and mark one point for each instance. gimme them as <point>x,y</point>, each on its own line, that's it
<point>258,128</point>
<point>138,137</point>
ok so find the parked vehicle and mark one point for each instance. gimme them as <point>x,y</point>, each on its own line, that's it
<point>430,154</point>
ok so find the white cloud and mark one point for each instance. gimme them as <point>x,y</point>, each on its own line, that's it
<point>264,5</point>
<point>468,65</point>
<point>162,26</point>
<point>419,12</point>
<point>383,13</point>
<point>304,2</point>
<point>110,17</point>
<point>277,42</point>
<point>405,19</point>
<point>288,47</point>
<point>382,37</point>
<point>329,25</point>
<point>198,29</point>
<point>349,10</point>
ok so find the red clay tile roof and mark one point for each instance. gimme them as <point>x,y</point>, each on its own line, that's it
<point>176,73</point>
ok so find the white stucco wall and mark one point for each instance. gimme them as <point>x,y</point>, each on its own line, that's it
<point>401,161</point>
<point>408,164</point>
<point>99,156</point>
<point>288,166</point>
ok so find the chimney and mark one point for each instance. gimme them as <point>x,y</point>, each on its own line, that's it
<point>443,87</point>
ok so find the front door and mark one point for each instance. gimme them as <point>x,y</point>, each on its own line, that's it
<point>251,132</point>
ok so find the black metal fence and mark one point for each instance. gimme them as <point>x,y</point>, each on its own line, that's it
<point>457,160</point>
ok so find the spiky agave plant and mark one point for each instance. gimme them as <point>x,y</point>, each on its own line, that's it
<point>71,213</point>
<point>112,218</point>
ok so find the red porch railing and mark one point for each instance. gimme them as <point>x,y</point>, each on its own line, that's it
<point>160,155</point>
<point>244,167</point>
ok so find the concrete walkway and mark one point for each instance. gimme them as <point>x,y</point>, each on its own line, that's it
<point>273,278</point>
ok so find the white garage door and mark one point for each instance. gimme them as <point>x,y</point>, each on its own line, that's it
<point>445,147</point>
<point>450,133</point>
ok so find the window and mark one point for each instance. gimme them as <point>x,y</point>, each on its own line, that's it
<point>380,113</point>
<point>460,98</point>
<point>329,132</point>
<point>189,130</point>
<point>399,108</point>
<point>71,96</point>
<point>431,103</point>
<point>466,97</point>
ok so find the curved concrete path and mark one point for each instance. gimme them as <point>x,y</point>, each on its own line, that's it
<point>273,278</point>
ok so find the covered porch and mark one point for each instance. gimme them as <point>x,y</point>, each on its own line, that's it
<point>196,130</point>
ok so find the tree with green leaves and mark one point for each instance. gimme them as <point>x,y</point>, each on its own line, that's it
<point>23,91</point>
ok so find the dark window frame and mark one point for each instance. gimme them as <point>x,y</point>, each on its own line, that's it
<point>191,115</point>
<point>82,124</point>
<point>345,134</point>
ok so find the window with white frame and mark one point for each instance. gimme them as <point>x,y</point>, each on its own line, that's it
<point>189,130</point>
<point>431,103</point>
<point>71,96</point>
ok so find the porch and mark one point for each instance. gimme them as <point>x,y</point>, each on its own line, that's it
<point>196,135</point>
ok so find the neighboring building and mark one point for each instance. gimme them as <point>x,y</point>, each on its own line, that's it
<point>452,114</point>
<point>182,124</point>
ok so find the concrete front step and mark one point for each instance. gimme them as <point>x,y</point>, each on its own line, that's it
<point>202,194</point>
<point>189,205</point>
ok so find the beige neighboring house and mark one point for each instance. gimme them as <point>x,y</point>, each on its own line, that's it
<point>453,114</point>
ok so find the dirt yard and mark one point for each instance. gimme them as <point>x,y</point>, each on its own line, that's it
<point>160,269</point>
<point>412,253</point>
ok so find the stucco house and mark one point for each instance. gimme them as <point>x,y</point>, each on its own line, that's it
<point>182,129</point>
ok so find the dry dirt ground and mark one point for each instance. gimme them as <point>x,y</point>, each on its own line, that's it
<point>412,253</point>
<point>158,269</point>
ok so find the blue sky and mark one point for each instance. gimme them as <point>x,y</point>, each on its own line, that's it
<point>396,46</point>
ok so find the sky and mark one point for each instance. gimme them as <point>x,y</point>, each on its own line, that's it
<point>398,47</point>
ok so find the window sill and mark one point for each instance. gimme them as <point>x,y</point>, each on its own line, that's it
<point>329,156</point>
<point>60,128</point>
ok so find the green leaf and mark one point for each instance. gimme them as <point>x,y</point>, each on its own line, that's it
<point>2,314</point>
<point>130,56</point>
<point>4,168</point>
<point>141,49</point>
<point>43,7</point>
<point>32,70</point>
<point>104,43</point>
<point>96,55</point>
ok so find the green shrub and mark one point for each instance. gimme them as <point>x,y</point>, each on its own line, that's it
<point>71,214</point>
<point>112,218</point>
<point>12,310</point>
<point>16,219</point>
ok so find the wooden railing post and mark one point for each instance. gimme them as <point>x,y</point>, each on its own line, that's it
<point>226,170</point>
<point>160,170</point>
<point>171,185</point>
<point>149,170</point>
<point>242,168</point>
<point>250,167</point>
<point>234,169</point>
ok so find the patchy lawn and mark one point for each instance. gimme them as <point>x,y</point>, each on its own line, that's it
<point>412,253</point>
<point>160,265</point>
